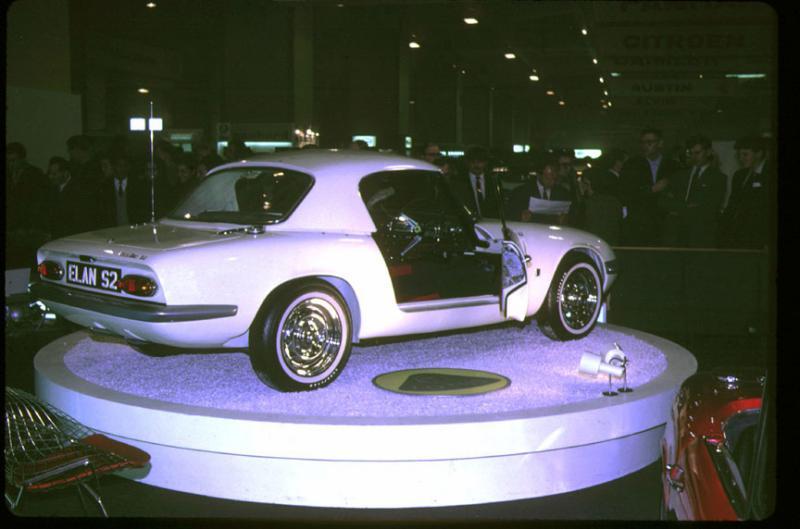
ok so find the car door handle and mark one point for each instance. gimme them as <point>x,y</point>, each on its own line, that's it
<point>675,475</point>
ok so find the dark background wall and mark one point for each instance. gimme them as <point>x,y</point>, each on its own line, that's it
<point>208,63</point>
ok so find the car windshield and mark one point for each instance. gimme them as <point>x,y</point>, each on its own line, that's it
<point>252,195</point>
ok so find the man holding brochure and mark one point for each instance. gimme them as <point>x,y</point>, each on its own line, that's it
<point>540,200</point>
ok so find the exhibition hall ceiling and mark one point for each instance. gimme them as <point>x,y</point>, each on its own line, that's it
<point>619,63</point>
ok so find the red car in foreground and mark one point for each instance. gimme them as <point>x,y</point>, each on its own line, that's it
<point>718,449</point>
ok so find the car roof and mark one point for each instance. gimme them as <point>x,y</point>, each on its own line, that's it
<point>334,203</point>
<point>324,162</point>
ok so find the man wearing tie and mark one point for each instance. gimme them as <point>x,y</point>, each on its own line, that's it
<point>124,198</point>
<point>746,221</point>
<point>474,189</point>
<point>693,198</point>
<point>543,187</point>
<point>644,178</point>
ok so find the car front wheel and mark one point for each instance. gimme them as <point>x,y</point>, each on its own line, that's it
<point>301,338</point>
<point>573,301</point>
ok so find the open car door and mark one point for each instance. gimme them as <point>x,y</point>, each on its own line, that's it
<point>514,294</point>
<point>513,274</point>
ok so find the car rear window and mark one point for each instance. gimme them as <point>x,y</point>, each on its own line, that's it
<point>247,195</point>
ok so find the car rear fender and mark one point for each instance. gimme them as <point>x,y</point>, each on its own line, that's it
<point>343,287</point>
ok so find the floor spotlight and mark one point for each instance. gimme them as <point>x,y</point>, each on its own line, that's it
<point>613,363</point>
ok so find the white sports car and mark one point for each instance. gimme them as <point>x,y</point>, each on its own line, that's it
<point>297,255</point>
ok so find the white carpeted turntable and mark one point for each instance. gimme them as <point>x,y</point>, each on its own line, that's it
<point>212,428</point>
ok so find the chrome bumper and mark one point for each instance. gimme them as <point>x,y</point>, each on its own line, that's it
<point>127,308</point>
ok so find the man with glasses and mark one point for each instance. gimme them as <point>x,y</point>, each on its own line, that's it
<point>693,199</point>
<point>644,178</point>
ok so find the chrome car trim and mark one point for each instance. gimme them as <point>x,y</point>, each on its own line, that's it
<point>311,337</point>
<point>437,304</point>
<point>579,297</point>
<point>128,308</point>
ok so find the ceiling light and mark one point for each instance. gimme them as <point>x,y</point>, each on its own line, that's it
<point>550,93</point>
<point>584,31</point>
<point>605,92</point>
<point>594,61</point>
<point>151,5</point>
<point>471,21</point>
<point>745,75</point>
<point>616,74</point>
<point>143,91</point>
<point>413,44</point>
<point>533,77</point>
<point>700,76</point>
<point>609,103</point>
<point>602,80</point>
<point>510,55</point>
<point>562,103</point>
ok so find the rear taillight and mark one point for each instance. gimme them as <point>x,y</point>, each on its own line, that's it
<point>137,285</point>
<point>50,270</point>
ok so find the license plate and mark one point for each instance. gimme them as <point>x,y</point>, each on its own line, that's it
<point>93,276</point>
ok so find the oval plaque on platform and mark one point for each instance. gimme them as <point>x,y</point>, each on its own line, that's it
<point>441,381</point>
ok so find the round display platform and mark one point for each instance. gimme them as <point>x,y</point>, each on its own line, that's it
<point>212,428</point>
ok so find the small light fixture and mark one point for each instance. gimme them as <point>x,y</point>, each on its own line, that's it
<point>594,60</point>
<point>562,103</point>
<point>609,103</point>
<point>605,92</point>
<point>584,31</point>
<point>745,75</point>
<point>138,124</point>
<point>143,91</point>
<point>614,363</point>
<point>414,44</point>
<point>602,80</point>
<point>616,74</point>
<point>510,55</point>
<point>533,77</point>
<point>550,93</point>
<point>470,21</point>
<point>700,76</point>
<point>151,5</point>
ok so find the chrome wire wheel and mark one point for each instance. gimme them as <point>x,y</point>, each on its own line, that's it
<point>579,298</point>
<point>310,336</point>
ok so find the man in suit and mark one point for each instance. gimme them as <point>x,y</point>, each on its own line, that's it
<point>475,187</point>
<point>604,202</point>
<point>693,199</point>
<point>543,187</point>
<point>125,199</point>
<point>70,201</point>
<point>26,209</point>
<point>644,178</point>
<point>746,220</point>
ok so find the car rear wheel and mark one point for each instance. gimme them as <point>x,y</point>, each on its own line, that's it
<point>574,299</point>
<point>301,338</point>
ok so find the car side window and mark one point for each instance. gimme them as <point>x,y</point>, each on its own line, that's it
<point>394,197</point>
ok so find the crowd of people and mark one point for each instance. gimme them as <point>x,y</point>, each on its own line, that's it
<point>647,199</point>
<point>94,188</point>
